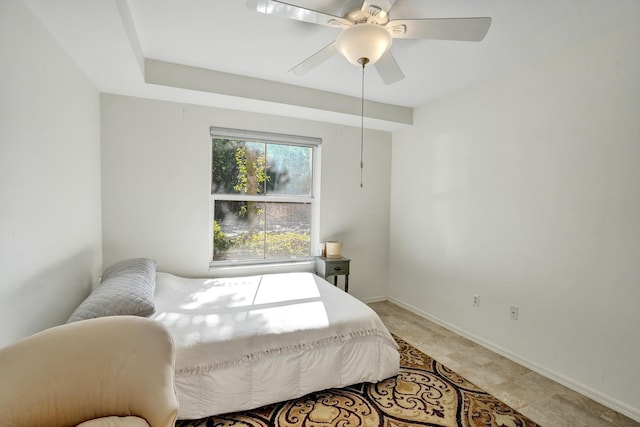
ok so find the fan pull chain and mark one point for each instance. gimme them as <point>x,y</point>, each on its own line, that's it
<point>363,61</point>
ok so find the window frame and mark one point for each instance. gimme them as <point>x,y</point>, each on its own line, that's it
<point>313,198</point>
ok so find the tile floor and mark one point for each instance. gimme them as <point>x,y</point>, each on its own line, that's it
<point>544,401</point>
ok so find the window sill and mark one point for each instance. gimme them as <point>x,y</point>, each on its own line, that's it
<point>244,268</point>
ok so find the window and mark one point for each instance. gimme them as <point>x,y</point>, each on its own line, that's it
<point>262,188</point>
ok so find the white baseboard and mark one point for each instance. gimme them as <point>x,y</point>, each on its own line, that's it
<point>576,386</point>
<point>374,299</point>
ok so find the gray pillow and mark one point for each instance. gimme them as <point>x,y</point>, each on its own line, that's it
<point>126,288</point>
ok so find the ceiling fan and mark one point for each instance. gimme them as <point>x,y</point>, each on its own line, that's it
<point>367,32</point>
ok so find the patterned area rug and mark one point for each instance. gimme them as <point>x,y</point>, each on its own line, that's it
<point>425,393</point>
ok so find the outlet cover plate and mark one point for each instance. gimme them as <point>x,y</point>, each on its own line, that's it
<point>513,312</point>
<point>476,300</point>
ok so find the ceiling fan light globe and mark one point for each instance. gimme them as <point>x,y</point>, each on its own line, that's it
<point>369,41</point>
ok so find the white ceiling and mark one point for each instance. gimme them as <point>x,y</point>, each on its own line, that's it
<point>109,40</point>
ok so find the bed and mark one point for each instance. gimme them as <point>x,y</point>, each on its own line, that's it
<point>245,342</point>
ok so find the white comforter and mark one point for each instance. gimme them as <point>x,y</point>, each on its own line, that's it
<point>246,342</point>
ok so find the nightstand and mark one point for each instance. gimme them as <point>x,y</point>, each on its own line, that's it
<point>335,267</point>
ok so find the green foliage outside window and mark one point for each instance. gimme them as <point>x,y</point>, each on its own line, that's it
<point>220,240</point>
<point>282,244</point>
<point>251,171</point>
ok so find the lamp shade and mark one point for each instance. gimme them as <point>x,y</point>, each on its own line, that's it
<point>369,41</point>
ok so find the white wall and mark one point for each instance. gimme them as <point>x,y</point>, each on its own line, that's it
<point>156,160</point>
<point>50,236</point>
<point>526,191</point>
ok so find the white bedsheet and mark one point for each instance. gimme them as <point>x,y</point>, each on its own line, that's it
<point>246,342</point>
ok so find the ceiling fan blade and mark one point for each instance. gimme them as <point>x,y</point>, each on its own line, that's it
<point>388,69</point>
<point>463,29</point>
<point>314,60</point>
<point>286,10</point>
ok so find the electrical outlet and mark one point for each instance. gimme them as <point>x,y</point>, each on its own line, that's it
<point>476,300</point>
<point>513,312</point>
